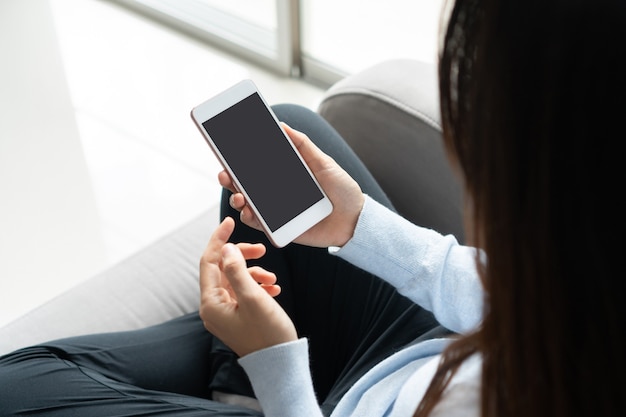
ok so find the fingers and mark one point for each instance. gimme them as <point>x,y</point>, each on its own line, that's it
<point>245,281</point>
<point>212,253</point>
<point>237,201</point>
<point>236,300</point>
<point>212,290</point>
<point>266,280</point>
<point>272,290</point>
<point>248,217</point>
<point>252,251</point>
<point>239,277</point>
<point>219,238</point>
<point>224,179</point>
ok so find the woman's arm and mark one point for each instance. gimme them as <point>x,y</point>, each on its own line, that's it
<point>238,307</point>
<point>432,270</point>
<point>281,379</point>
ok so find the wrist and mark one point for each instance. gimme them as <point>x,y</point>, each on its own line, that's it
<point>351,220</point>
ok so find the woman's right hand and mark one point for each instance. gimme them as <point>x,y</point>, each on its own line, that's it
<point>342,190</point>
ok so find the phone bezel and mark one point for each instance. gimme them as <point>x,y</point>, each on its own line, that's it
<point>298,224</point>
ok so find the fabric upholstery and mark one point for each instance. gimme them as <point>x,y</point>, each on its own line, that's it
<point>156,284</point>
<point>389,115</point>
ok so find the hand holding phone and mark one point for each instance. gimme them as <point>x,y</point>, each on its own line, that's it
<point>342,190</point>
<point>262,162</point>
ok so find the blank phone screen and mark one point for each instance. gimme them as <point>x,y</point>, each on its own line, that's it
<point>263,161</point>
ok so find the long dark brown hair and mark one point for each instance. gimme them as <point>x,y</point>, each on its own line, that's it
<point>533,102</point>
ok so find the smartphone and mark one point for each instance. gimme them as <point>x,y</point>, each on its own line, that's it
<point>264,165</point>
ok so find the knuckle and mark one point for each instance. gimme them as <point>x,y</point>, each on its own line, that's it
<point>204,259</point>
<point>230,266</point>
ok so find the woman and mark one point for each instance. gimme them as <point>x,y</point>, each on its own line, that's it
<point>530,324</point>
<point>363,336</point>
<point>531,97</point>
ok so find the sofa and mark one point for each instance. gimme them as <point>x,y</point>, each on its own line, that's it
<point>389,115</point>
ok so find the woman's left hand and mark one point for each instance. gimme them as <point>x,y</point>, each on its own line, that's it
<point>237,303</point>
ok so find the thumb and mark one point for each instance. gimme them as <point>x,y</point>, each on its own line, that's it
<point>313,156</point>
<point>236,270</point>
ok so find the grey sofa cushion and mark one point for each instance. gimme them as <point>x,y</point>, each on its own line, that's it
<point>389,115</point>
<point>152,286</point>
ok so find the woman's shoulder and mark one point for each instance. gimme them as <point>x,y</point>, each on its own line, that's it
<point>462,396</point>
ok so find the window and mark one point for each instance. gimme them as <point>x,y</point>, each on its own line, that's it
<point>323,40</point>
<point>346,36</point>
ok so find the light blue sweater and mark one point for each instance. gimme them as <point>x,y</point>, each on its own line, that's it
<point>432,270</point>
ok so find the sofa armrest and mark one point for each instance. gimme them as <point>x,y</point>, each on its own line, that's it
<point>157,284</point>
<point>389,115</point>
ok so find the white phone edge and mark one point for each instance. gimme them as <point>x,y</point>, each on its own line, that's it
<point>299,224</point>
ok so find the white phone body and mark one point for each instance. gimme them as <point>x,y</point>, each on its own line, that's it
<point>264,165</point>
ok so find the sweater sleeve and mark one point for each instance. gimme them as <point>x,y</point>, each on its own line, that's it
<point>281,379</point>
<point>432,270</point>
